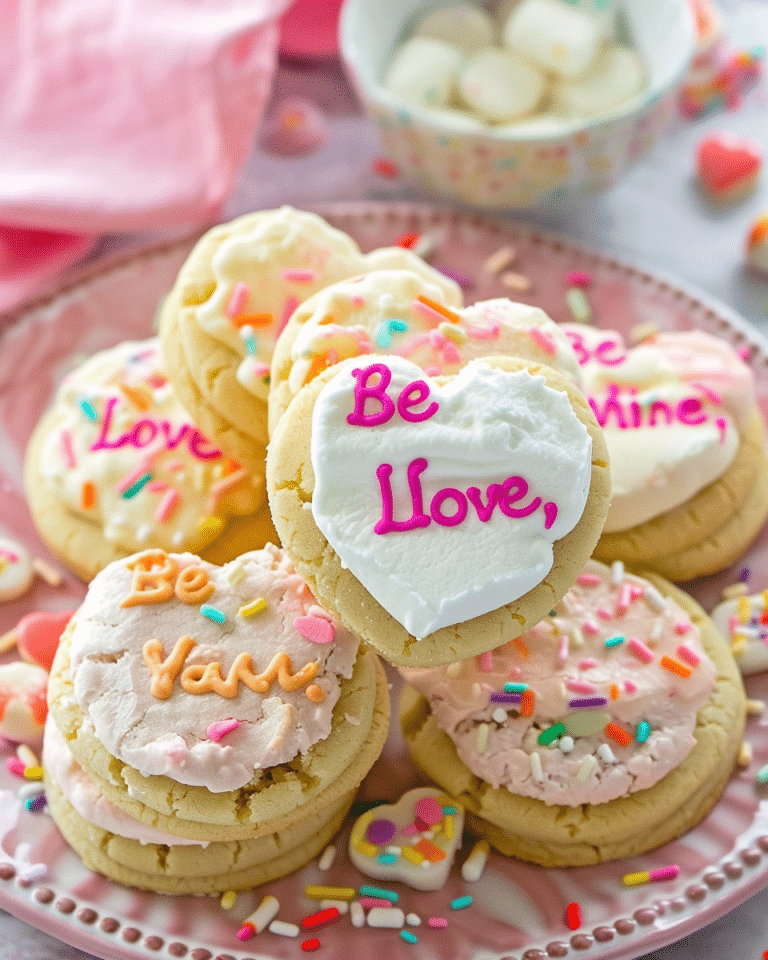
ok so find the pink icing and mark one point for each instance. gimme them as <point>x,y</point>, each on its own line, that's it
<point>145,431</point>
<point>614,687</point>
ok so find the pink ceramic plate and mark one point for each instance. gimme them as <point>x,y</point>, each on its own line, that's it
<point>518,910</point>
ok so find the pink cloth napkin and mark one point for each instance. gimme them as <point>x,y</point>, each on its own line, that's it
<point>120,116</point>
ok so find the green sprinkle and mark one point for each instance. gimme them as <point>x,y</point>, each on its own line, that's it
<point>553,613</point>
<point>213,613</point>
<point>87,407</point>
<point>515,687</point>
<point>578,305</point>
<point>384,333</point>
<point>408,936</point>
<point>368,891</point>
<point>450,810</point>
<point>250,344</point>
<point>643,731</point>
<point>761,776</point>
<point>386,858</point>
<point>614,641</point>
<point>139,485</point>
<point>551,733</point>
<point>461,902</point>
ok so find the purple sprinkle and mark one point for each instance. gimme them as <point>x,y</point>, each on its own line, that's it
<point>506,697</point>
<point>380,832</point>
<point>744,574</point>
<point>33,804</point>
<point>464,282</point>
<point>588,702</point>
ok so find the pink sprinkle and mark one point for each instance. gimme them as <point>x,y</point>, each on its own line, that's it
<point>485,662</point>
<point>690,656</point>
<point>579,278</point>
<point>174,465</point>
<point>15,766</point>
<point>664,873</point>
<point>491,332</point>
<point>67,450</point>
<point>733,623</point>
<point>579,686</point>
<point>288,307</point>
<point>451,352</point>
<point>590,627</point>
<point>744,353</point>
<point>130,478</point>
<point>316,629</point>
<point>167,505</point>
<point>709,394</point>
<point>9,555</point>
<point>640,650</point>
<point>297,275</point>
<point>722,426</point>
<point>604,613</point>
<point>587,663</point>
<point>515,672</point>
<point>629,687</point>
<point>368,902</point>
<point>410,830</point>
<point>624,600</point>
<point>220,728</point>
<point>682,628</point>
<point>433,371</point>
<point>542,340</point>
<point>357,300</point>
<point>562,650</point>
<point>426,312</point>
<point>237,300</point>
<point>157,486</point>
<point>437,923</point>
<point>589,580</point>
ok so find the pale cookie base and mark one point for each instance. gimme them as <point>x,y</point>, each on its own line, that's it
<point>238,865</point>
<point>272,800</point>
<point>290,484</point>
<point>708,532</point>
<point>562,836</point>
<point>203,374</point>
<point>80,543</point>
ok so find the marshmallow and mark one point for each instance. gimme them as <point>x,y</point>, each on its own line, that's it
<point>500,86</point>
<point>423,71</point>
<point>462,25</point>
<point>22,695</point>
<point>16,571</point>
<point>557,37</point>
<point>615,78</point>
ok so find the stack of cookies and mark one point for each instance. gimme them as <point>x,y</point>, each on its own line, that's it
<point>439,477</point>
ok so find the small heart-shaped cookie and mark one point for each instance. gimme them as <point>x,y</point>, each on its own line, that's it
<point>413,840</point>
<point>728,167</point>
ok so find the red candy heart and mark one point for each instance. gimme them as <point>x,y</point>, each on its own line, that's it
<point>725,162</point>
<point>37,636</point>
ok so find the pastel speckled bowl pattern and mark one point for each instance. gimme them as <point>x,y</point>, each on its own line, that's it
<point>503,170</point>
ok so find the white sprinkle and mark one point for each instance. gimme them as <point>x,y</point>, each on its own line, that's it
<point>454,670</point>
<point>617,573</point>
<point>735,590</point>
<point>307,505</point>
<point>656,629</point>
<point>235,572</point>
<point>654,598</point>
<point>327,857</point>
<point>473,866</point>
<point>577,637</point>
<point>178,538</point>
<point>357,914</point>
<point>566,744</point>
<point>482,737</point>
<point>605,753</point>
<point>426,245</point>
<point>389,917</point>
<point>413,920</point>
<point>143,532</point>
<point>355,721</point>
<point>38,871</point>
<point>499,715</point>
<point>283,929</point>
<point>588,764</point>
<point>536,772</point>
<point>264,914</point>
<point>393,849</point>
<point>500,260</point>
<point>341,905</point>
<point>32,789</point>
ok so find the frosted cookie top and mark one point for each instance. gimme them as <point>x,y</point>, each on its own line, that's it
<point>672,410</point>
<point>400,313</point>
<point>205,673</point>
<point>265,266</point>
<point>597,701</point>
<point>123,453</point>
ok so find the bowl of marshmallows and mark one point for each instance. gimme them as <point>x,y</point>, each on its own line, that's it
<point>517,103</point>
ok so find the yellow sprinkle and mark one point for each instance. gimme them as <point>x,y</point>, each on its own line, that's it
<point>252,608</point>
<point>46,572</point>
<point>228,900</point>
<point>331,893</point>
<point>745,754</point>
<point>765,599</point>
<point>27,757</point>
<point>452,332</point>
<point>735,590</point>
<point>33,773</point>
<point>413,855</point>
<point>366,848</point>
<point>755,707</point>
<point>500,260</point>
<point>636,879</point>
<point>643,331</point>
<point>448,827</point>
<point>210,526</point>
<point>744,608</point>
<point>3,564</point>
<point>738,643</point>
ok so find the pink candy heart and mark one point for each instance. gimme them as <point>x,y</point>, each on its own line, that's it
<point>37,636</point>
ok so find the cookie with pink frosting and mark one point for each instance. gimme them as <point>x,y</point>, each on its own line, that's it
<point>606,730</point>
<point>436,516</point>
<point>219,705</point>
<point>116,465</point>
<point>686,441</point>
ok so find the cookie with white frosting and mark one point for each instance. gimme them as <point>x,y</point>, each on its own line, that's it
<point>438,516</point>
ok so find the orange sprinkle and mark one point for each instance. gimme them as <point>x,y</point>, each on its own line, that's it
<point>88,495</point>
<point>615,732</point>
<point>253,320</point>
<point>527,703</point>
<point>674,667</point>
<point>520,646</point>
<point>140,398</point>
<point>429,850</point>
<point>439,308</point>
<point>614,692</point>
<point>408,240</point>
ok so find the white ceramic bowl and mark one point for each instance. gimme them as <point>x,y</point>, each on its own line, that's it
<point>508,170</point>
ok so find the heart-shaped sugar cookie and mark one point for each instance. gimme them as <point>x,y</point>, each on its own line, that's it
<point>413,840</point>
<point>727,165</point>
